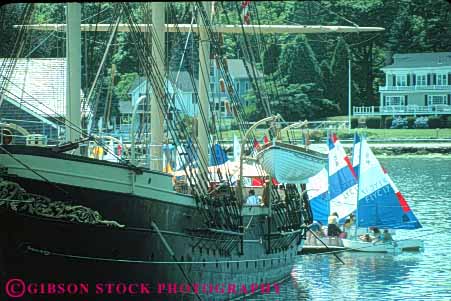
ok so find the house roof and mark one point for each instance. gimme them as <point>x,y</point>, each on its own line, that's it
<point>238,70</point>
<point>125,107</point>
<point>37,84</point>
<point>184,82</point>
<point>416,60</point>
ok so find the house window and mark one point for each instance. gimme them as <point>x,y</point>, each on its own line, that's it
<point>194,98</point>
<point>401,80</point>
<point>421,80</point>
<point>248,86</point>
<point>394,100</point>
<point>437,100</point>
<point>212,87</point>
<point>222,107</point>
<point>442,79</point>
<point>212,70</point>
<point>238,87</point>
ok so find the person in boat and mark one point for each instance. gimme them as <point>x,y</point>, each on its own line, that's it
<point>365,237</point>
<point>376,234</point>
<point>266,193</point>
<point>386,236</point>
<point>316,228</point>
<point>332,225</point>
<point>252,199</point>
<point>347,225</point>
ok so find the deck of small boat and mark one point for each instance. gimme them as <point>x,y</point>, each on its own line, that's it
<point>328,244</point>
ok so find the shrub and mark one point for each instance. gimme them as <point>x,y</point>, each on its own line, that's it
<point>435,122</point>
<point>410,122</point>
<point>448,122</point>
<point>354,122</point>
<point>373,122</point>
<point>421,123</point>
<point>316,135</point>
<point>399,123</point>
<point>388,122</point>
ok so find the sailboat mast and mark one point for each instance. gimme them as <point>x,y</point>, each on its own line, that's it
<point>73,71</point>
<point>204,85</point>
<point>358,185</point>
<point>156,117</point>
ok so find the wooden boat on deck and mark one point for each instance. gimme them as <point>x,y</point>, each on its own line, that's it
<point>290,163</point>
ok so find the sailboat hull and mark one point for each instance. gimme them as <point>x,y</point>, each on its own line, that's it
<point>38,249</point>
<point>363,246</point>
<point>289,163</point>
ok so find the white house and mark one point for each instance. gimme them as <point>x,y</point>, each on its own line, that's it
<point>186,100</point>
<point>415,84</point>
<point>33,94</point>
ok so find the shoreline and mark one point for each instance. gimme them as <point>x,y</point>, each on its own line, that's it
<point>393,148</point>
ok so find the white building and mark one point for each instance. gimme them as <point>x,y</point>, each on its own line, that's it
<point>415,84</point>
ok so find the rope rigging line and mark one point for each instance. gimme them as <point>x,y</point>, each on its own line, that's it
<point>193,83</point>
<point>157,80</point>
<point>178,133</point>
<point>226,75</point>
<point>230,223</point>
<point>8,65</point>
<point>253,62</point>
<point>240,114</point>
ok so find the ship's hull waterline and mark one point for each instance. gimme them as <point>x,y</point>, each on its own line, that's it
<point>45,249</point>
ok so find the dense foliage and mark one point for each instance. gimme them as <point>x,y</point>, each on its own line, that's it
<point>307,74</point>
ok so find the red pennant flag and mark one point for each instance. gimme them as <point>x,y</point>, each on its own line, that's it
<point>265,140</point>
<point>246,14</point>
<point>256,144</point>
<point>257,181</point>
<point>274,181</point>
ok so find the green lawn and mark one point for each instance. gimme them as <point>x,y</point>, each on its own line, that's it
<point>370,133</point>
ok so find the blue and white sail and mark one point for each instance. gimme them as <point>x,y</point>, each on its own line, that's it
<point>217,156</point>
<point>333,189</point>
<point>342,181</point>
<point>318,193</point>
<point>380,204</point>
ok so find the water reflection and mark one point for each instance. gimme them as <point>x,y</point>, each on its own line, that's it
<point>426,184</point>
<point>363,274</point>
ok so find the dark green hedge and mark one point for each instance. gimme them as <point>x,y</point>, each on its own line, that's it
<point>434,122</point>
<point>388,122</point>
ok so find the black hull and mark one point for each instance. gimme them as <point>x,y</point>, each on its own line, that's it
<point>38,249</point>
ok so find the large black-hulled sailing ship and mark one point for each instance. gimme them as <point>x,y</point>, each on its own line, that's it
<point>134,226</point>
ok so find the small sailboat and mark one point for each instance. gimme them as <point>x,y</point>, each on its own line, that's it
<point>332,190</point>
<point>380,204</point>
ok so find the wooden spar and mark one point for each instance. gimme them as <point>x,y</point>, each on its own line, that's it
<point>156,115</point>
<point>73,72</point>
<point>249,29</point>
<point>204,87</point>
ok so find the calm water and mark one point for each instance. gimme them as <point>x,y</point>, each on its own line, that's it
<point>426,184</point>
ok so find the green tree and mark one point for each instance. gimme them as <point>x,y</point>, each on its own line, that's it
<point>300,63</point>
<point>271,58</point>
<point>339,68</point>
